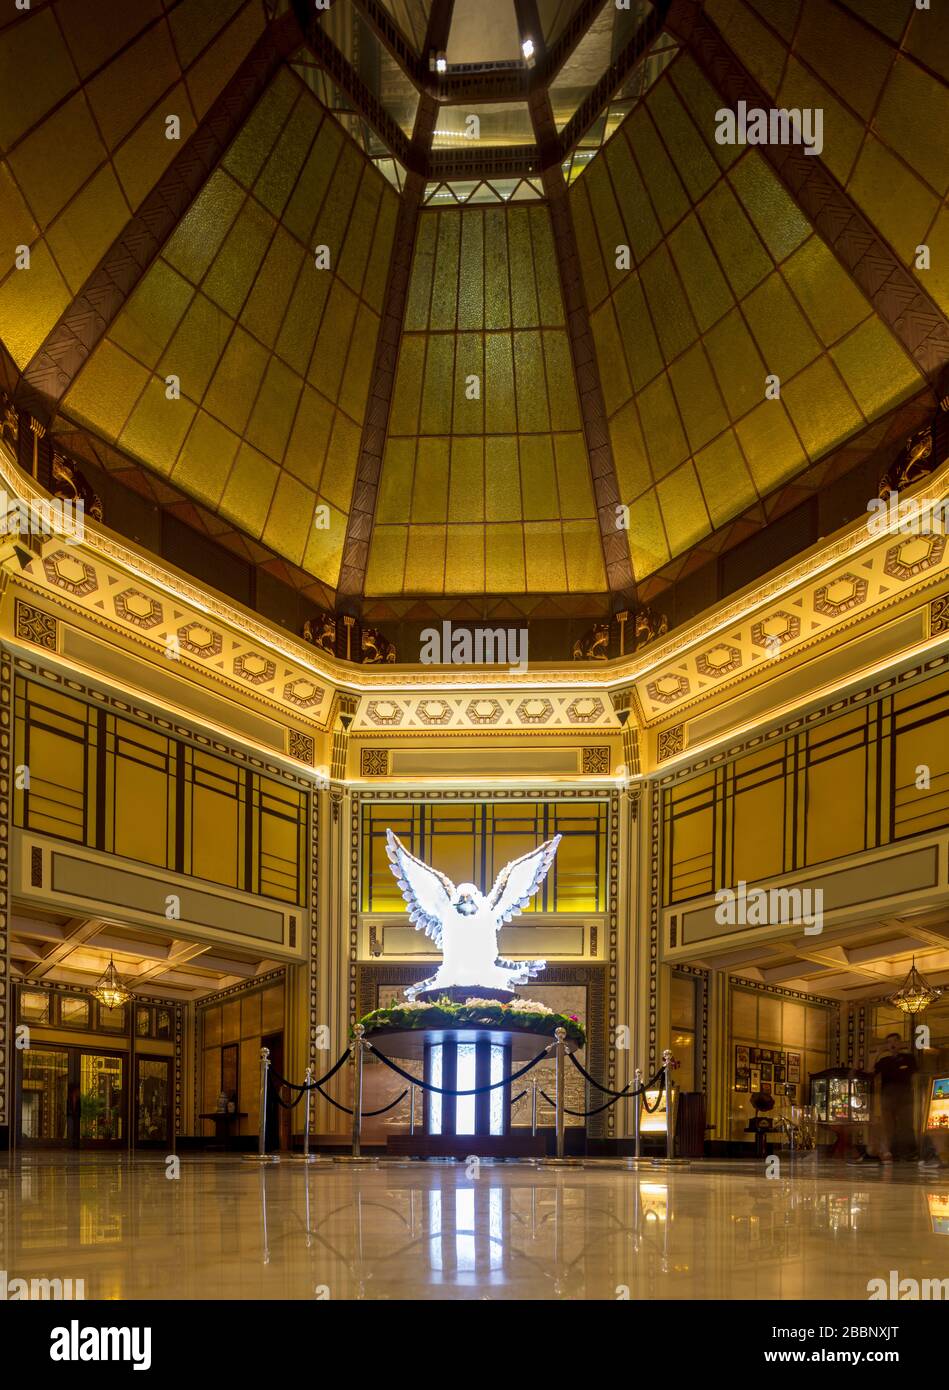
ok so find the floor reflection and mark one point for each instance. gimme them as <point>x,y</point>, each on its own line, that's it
<point>225,1229</point>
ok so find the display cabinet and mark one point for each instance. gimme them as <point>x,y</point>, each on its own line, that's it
<point>840,1096</point>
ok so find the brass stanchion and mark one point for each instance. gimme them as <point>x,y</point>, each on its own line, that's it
<point>306,1156</point>
<point>637,1111</point>
<point>262,1156</point>
<point>559,1049</point>
<point>670,1105</point>
<point>668,1063</point>
<point>356,1049</point>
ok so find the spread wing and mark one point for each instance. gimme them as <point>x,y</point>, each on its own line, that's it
<point>520,880</point>
<point>427,892</point>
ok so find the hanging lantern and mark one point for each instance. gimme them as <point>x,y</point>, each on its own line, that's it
<point>110,990</point>
<point>914,995</point>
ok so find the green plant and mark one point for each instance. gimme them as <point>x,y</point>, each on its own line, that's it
<point>519,1015</point>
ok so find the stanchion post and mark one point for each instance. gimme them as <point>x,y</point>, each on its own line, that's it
<point>637,1109</point>
<point>357,1048</point>
<point>262,1156</point>
<point>307,1078</point>
<point>534,1107</point>
<point>412,1109</point>
<point>264,1068</point>
<point>561,1035</point>
<point>667,1063</point>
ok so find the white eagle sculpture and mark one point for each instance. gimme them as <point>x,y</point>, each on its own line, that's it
<point>463,923</point>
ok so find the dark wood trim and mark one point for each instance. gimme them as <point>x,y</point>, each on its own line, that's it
<point>897,297</point>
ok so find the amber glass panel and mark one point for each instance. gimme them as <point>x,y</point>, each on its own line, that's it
<point>477,841</point>
<point>44,1085</point>
<point>232,1020</point>
<point>51,734</point>
<point>212,1020</point>
<point>216,821</point>
<point>758,824</point>
<point>250,1015</point>
<point>34,1006</point>
<point>152,1112</point>
<point>272,1010</point>
<point>73,1012</point>
<point>101,1086</point>
<point>142,793</point>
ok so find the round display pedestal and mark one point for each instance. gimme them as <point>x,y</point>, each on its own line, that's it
<point>467,1059</point>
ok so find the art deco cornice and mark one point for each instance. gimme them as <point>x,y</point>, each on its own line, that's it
<point>884,567</point>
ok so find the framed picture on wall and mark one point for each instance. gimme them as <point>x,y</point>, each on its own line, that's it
<point>766,1088</point>
<point>755,1081</point>
<point>741,1057</point>
<point>742,1080</point>
<point>767,1071</point>
<point>754,1055</point>
<point>794,1066</point>
<point>779,1072</point>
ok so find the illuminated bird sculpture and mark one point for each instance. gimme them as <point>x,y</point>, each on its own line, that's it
<point>463,923</point>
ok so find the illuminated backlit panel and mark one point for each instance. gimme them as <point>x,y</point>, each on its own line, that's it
<point>273,354</point>
<point>847,785</point>
<point>86,90</point>
<point>473,842</point>
<point>727,284</point>
<point>485,484</point>
<point>120,787</point>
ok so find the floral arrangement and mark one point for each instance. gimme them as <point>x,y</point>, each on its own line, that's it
<point>525,1015</point>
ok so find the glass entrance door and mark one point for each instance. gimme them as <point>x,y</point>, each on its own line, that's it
<point>102,1104</point>
<point>152,1095</point>
<point>45,1096</point>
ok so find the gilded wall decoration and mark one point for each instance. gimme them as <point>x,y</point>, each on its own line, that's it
<point>671,741</point>
<point>843,593</point>
<point>66,570</point>
<point>939,615</point>
<point>33,625</point>
<point>141,610</point>
<point>595,762</point>
<point>374,762</point>
<point>301,746</point>
<point>914,556</point>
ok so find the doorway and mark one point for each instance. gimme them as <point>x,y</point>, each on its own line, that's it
<point>152,1102</point>
<point>72,1097</point>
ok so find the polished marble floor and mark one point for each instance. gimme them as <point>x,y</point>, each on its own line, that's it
<point>229,1229</point>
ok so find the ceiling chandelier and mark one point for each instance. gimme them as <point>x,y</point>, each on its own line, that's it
<point>914,994</point>
<point>110,989</point>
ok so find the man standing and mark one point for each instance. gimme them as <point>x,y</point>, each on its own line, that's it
<point>895,1069</point>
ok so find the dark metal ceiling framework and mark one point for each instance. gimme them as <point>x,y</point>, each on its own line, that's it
<point>616,557</point>
<point>355,558</point>
<point>484,83</point>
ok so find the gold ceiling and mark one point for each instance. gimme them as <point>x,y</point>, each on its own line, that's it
<point>485,484</point>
